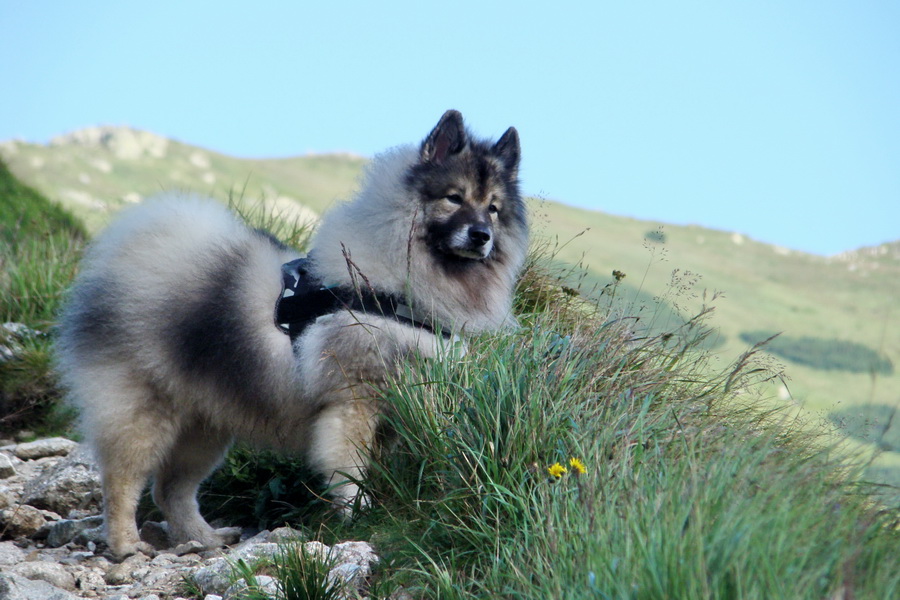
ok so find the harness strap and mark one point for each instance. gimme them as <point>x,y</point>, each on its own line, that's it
<point>304,299</point>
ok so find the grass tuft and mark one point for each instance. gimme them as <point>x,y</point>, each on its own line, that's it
<point>299,574</point>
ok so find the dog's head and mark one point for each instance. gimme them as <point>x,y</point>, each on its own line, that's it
<point>468,190</point>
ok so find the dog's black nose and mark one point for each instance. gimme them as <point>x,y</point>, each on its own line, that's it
<point>479,234</point>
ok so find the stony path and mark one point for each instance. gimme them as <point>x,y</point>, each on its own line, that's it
<point>51,540</point>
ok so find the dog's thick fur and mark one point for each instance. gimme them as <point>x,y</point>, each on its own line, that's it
<point>169,348</point>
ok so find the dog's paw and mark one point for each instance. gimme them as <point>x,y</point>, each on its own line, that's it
<point>210,540</point>
<point>119,554</point>
<point>350,508</point>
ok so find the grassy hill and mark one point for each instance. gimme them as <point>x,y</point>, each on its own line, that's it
<point>827,301</point>
<point>579,457</point>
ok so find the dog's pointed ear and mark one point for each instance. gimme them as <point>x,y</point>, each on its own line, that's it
<point>447,138</point>
<point>507,149</point>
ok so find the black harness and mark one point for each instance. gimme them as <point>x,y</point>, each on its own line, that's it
<point>304,299</point>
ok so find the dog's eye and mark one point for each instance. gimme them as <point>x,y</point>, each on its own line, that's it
<point>493,209</point>
<point>454,198</point>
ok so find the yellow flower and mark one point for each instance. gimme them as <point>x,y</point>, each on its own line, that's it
<point>556,470</point>
<point>577,466</point>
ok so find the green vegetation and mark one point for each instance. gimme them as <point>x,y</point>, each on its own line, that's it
<point>693,486</point>
<point>688,489</point>
<point>299,575</point>
<point>825,354</point>
<point>262,489</point>
<point>876,424</point>
<point>39,248</point>
<point>656,235</point>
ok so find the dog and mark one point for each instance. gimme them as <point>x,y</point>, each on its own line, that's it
<point>171,343</point>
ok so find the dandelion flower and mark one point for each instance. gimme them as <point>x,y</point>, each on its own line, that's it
<point>577,466</point>
<point>556,470</point>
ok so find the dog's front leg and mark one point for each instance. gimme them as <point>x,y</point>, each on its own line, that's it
<point>343,435</point>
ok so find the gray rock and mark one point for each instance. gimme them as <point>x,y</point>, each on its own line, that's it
<point>216,576</point>
<point>156,534</point>
<point>56,446</point>
<point>90,580</point>
<point>10,554</point>
<point>354,562</point>
<point>126,571</point>
<point>16,587</point>
<point>10,336</point>
<point>72,483</point>
<point>21,521</point>
<point>287,535</point>
<point>80,555</point>
<point>161,579</point>
<point>264,583</point>
<point>190,547</point>
<point>8,465</point>
<point>7,499</point>
<point>50,572</point>
<point>90,537</point>
<point>64,531</point>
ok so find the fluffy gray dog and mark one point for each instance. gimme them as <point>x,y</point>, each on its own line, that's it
<point>171,344</point>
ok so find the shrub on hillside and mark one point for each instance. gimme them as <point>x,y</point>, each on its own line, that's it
<point>876,424</point>
<point>822,353</point>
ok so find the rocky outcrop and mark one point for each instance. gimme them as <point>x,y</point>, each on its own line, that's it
<point>11,337</point>
<point>124,142</point>
<point>51,544</point>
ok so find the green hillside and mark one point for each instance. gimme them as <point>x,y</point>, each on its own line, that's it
<point>828,301</point>
<point>40,244</point>
<point>96,171</point>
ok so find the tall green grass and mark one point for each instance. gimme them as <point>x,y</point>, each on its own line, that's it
<point>40,244</point>
<point>690,489</point>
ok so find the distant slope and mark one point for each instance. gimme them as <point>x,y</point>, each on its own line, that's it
<point>94,172</point>
<point>39,246</point>
<point>25,213</point>
<point>851,297</point>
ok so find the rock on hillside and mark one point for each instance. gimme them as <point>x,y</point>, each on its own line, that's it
<point>883,257</point>
<point>95,171</point>
<point>125,143</point>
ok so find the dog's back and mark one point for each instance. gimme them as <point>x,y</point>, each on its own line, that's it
<point>176,295</point>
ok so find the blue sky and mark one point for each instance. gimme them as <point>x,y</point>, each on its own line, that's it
<point>780,120</point>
